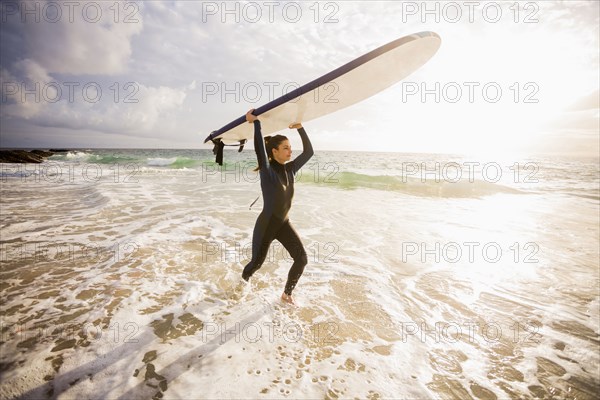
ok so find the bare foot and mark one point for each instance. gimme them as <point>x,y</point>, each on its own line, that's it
<point>287,298</point>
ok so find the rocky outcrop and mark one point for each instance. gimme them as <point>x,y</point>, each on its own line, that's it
<point>23,156</point>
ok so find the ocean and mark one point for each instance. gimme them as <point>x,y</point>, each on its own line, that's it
<point>429,276</point>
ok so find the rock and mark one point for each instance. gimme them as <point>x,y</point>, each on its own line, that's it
<point>43,153</point>
<point>22,156</point>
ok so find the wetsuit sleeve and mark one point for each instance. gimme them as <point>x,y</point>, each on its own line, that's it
<point>259,147</point>
<point>307,151</point>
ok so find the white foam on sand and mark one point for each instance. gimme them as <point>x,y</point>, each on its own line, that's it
<point>162,311</point>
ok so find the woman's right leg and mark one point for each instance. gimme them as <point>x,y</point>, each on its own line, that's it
<point>264,233</point>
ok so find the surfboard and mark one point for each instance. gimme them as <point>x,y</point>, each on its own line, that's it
<point>349,84</point>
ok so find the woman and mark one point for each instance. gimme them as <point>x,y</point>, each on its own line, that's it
<point>277,185</point>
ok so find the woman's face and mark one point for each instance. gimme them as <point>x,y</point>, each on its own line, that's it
<point>283,153</point>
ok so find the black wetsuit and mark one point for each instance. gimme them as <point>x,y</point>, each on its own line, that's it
<point>277,185</point>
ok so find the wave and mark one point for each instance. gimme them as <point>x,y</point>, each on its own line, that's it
<point>80,156</point>
<point>85,157</point>
<point>410,185</point>
<point>160,162</point>
<point>71,156</point>
<point>588,196</point>
<point>175,162</point>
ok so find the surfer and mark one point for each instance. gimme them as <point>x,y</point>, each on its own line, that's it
<point>277,184</point>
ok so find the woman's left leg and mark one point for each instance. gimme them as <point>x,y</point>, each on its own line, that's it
<point>289,238</point>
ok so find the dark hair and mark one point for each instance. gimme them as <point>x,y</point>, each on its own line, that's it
<point>272,142</point>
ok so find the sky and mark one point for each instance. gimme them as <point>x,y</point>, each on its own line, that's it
<point>509,78</point>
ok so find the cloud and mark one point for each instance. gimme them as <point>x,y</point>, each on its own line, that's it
<point>31,93</point>
<point>166,58</point>
<point>137,111</point>
<point>60,79</point>
<point>589,102</point>
<point>584,121</point>
<point>31,79</point>
<point>86,38</point>
<point>576,130</point>
<point>581,117</point>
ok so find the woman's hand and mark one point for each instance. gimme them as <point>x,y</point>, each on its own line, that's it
<point>250,117</point>
<point>297,125</point>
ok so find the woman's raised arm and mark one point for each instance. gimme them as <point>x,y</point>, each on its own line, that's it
<point>259,142</point>
<point>307,150</point>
